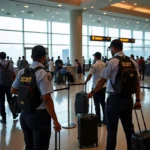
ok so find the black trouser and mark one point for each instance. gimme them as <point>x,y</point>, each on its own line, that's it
<point>142,73</point>
<point>4,90</point>
<point>37,130</point>
<point>83,69</point>
<point>99,99</point>
<point>52,73</point>
<point>119,107</point>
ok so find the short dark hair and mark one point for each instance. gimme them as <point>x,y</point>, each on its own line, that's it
<point>37,58</point>
<point>58,56</point>
<point>132,55</point>
<point>23,57</point>
<point>7,57</point>
<point>76,60</point>
<point>2,55</point>
<point>117,43</point>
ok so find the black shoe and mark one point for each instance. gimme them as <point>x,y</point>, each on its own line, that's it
<point>15,116</point>
<point>3,121</point>
<point>99,124</point>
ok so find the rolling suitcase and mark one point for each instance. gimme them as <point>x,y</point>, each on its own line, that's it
<point>87,129</point>
<point>141,140</point>
<point>56,148</point>
<point>81,103</point>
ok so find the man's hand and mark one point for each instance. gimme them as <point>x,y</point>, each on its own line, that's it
<point>57,126</point>
<point>84,83</point>
<point>137,106</point>
<point>90,95</point>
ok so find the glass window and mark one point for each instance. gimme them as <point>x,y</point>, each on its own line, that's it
<point>84,53</point>
<point>126,44</point>
<point>35,25</point>
<point>10,37</point>
<point>10,23</point>
<point>13,51</point>
<point>147,53</point>
<point>58,27</point>
<point>57,50</point>
<point>113,32</point>
<point>35,38</point>
<point>147,35</point>
<point>60,39</point>
<point>138,43</point>
<point>147,44</point>
<point>49,27</point>
<point>127,51</point>
<point>99,31</point>
<point>138,34</point>
<point>125,33</point>
<point>138,51</point>
<point>84,30</point>
<point>93,50</point>
<point>84,40</point>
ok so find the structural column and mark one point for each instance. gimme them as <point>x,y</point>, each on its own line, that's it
<point>76,35</point>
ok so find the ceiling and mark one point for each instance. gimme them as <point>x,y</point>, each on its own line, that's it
<point>95,12</point>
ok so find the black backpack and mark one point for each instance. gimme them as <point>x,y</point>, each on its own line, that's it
<point>126,78</point>
<point>29,96</point>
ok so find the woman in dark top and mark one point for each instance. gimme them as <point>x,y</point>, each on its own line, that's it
<point>79,69</point>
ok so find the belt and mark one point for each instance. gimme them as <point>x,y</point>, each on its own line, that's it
<point>40,110</point>
<point>115,94</point>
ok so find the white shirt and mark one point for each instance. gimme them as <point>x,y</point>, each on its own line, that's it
<point>95,71</point>
<point>83,61</point>
<point>51,66</point>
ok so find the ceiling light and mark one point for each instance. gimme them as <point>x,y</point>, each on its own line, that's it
<point>113,18</point>
<point>93,20</point>
<point>2,9</point>
<point>99,25</point>
<point>137,22</point>
<point>45,19</point>
<point>135,4</point>
<point>52,16</point>
<point>22,11</point>
<point>26,6</point>
<point>106,22</point>
<point>61,19</point>
<point>57,13</point>
<point>123,1</point>
<point>127,22</point>
<point>84,8</point>
<point>59,5</point>
<point>146,19</point>
<point>92,6</point>
<point>99,18</point>
<point>14,15</point>
<point>32,15</point>
<point>104,13</point>
<point>47,9</point>
<point>147,25</point>
<point>90,15</point>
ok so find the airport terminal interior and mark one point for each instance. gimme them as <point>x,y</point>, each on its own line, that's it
<point>74,28</point>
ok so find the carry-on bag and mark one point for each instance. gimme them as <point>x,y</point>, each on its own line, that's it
<point>81,103</point>
<point>87,129</point>
<point>141,140</point>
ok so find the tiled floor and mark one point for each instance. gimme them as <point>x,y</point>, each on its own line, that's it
<point>11,137</point>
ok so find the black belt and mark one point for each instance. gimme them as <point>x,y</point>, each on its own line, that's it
<point>115,94</point>
<point>40,110</point>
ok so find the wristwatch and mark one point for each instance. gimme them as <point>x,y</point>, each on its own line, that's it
<point>138,100</point>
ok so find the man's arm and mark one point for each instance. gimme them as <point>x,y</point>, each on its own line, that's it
<point>88,78</point>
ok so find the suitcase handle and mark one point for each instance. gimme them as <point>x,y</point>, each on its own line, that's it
<point>56,141</point>
<point>139,122</point>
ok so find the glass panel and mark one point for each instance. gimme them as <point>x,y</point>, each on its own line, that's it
<point>35,25</point>
<point>138,52</point>
<point>84,53</point>
<point>84,40</point>
<point>147,53</point>
<point>28,55</point>
<point>57,50</point>
<point>147,43</point>
<point>58,27</point>
<point>35,38</point>
<point>10,37</point>
<point>127,51</point>
<point>138,43</point>
<point>113,32</point>
<point>127,44</point>
<point>60,39</point>
<point>125,33</point>
<point>99,31</point>
<point>138,34</point>
<point>147,35</point>
<point>84,30</point>
<point>13,51</point>
<point>10,23</point>
<point>96,43</point>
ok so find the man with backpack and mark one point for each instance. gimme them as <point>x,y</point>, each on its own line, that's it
<point>7,75</point>
<point>123,81</point>
<point>34,87</point>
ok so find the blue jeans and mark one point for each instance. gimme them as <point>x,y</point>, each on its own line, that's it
<point>37,129</point>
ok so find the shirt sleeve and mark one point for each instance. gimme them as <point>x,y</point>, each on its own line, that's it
<point>107,72</point>
<point>91,70</point>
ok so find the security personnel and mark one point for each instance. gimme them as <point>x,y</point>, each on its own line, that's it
<point>99,97</point>
<point>118,106</point>
<point>36,125</point>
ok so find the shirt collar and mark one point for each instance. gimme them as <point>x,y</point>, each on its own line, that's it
<point>119,54</point>
<point>35,63</point>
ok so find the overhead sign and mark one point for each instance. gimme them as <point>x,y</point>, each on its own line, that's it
<point>126,40</point>
<point>100,38</point>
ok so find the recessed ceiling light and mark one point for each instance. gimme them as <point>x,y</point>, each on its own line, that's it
<point>14,15</point>
<point>146,24</point>
<point>146,19</point>
<point>45,19</point>
<point>57,13</point>
<point>99,18</point>
<point>99,25</point>
<point>127,22</point>
<point>92,6</point>
<point>26,6</point>
<point>90,15</point>
<point>113,18</point>
<point>106,22</point>
<point>59,5</point>
<point>84,8</point>
<point>47,9</point>
<point>135,4</point>
<point>52,16</point>
<point>32,15</point>
<point>22,11</point>
<point>123,1</point>
<point>2,9</point>
<point>104,13</point>
<point>61,19</point>
<point>93,20</point>
<point>137,22</point>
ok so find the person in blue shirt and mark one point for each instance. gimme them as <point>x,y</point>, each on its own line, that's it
<point>36,126</point>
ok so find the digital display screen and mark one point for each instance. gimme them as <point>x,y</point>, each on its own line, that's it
<point>100,38</point>
<point>126,40</point>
